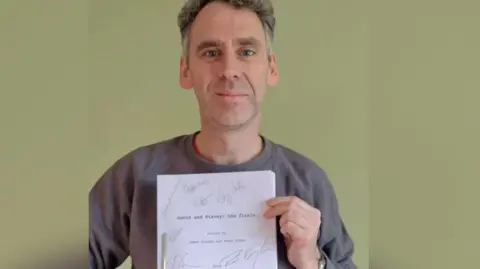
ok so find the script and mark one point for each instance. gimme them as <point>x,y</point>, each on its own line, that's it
<point>215,220</point>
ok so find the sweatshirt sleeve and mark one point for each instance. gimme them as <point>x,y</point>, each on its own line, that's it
<point>334,240</point>
<point>109,208</point>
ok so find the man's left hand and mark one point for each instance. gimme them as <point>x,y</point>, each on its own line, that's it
<point>299,224</point>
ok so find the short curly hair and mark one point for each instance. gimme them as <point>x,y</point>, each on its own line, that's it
<point>263,9</point>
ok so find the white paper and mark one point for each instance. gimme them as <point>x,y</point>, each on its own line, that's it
<point>216,220</point>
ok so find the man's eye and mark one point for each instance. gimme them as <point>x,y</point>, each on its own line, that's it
<point>211,53</point>
<point>247,53</point>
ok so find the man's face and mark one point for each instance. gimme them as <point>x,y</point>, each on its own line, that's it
<point>228,65</point>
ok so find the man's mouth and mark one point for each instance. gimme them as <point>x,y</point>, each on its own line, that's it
<point>231,94</point>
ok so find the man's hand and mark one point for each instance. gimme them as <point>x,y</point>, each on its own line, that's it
<point>299,224</point>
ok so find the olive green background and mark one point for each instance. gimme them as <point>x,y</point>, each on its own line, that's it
<point>382,94</point>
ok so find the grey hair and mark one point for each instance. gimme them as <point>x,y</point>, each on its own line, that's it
<point>263,9</point>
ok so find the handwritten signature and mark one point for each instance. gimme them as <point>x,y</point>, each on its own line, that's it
<point>244,255</point>
<point>191,188</point>
<point>173,236</point>
<point>226,196</point>
<point>202,200</point>
<point>170,199</point>
<point>178,262</point>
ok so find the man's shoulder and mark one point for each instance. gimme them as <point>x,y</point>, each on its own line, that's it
<point>303,176</point>
<point>147,153</point>
<point>298,162</point>
<point>164,145</point>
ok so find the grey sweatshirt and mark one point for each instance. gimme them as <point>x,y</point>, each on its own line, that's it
<point>123,201</point>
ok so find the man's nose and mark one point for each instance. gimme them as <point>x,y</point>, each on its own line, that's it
<point>230,67</point>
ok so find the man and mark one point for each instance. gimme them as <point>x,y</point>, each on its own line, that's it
<point>229,63</point>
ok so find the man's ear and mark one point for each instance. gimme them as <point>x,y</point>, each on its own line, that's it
<point>184,75</point>
<point>272,78</point>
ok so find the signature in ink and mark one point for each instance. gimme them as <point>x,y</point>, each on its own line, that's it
<point>173,236</point>
<point>191,188</point>
<point>237,186</point>
<point>178,262</point>
<point>229,259</point>
<point>202,201</point>
<point>226,196</point>
<point>255,252</point>
<point>170,199</point>
<point>249,254</point>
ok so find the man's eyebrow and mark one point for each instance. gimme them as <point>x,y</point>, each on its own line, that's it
<point>247,41</point>
<point>208,44</point>
<point>243,41</point>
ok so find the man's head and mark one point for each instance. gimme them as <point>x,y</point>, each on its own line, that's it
<point>227,58</point>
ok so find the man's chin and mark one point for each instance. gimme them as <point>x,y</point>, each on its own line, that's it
<point>232,124</point>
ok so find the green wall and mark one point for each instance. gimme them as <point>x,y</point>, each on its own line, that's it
<point>384,96</point>
<point>424,135</point>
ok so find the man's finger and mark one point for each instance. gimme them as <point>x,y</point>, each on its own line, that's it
<point>296,233</point>
<point>296,217</point>
<point>278,200</point>
<point>289,199</point>
<point>277,210</point>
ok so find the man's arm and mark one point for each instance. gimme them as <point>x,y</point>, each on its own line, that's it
<point>334,240</point>
<point>109,205</point>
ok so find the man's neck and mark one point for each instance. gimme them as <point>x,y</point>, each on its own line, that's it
<point>228,147</point>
